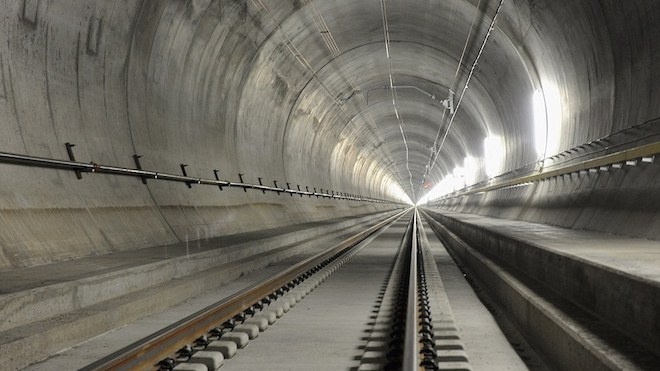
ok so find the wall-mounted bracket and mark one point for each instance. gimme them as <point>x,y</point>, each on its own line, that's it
<point>136,160</point>
<point>185,173</point>
<point>215,172</point>
<point>72,157</point>
<point>275,182</point>
<point>449,102</point>
<point>240,177</point>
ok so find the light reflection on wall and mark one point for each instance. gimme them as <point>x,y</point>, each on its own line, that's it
<point>396,192</point>
<point>461,177</point>
<point>547,120</point>
<point>493,155</point>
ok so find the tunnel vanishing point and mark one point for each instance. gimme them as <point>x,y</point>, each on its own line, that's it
<point>524,132</point>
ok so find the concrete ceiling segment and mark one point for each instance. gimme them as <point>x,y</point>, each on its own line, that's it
<point>419,57</point>
<point>389,137</point>
<point>565,47</point>
<point>417,127</point>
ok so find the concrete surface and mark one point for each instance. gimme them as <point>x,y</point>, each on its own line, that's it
<point>484,342</point>
<point>45,291</point>
<point>621,201</point>
<point>212,360</point>
<point>88,351</point>
<point>296,91</point>
<point>43,320</point>
<point>211,84</point>
<point>584,279</point>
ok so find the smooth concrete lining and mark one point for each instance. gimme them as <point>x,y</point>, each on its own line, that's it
<point>577,266</point>
<point>567,337</point>
<point>39,302</point>
<point>253,88</point>
<point>158,79</point>
<point>297,91</point>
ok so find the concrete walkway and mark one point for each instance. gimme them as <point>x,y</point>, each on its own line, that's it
<point>635,256</point>
<point>487,346</point>
<point>613,278</point>
<point>48,308</point>
<point>29,278</point>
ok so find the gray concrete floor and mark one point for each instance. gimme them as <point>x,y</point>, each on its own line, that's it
<point>109,342</point>
<point>486,345</point>
<point>636,256</point>
<point>326,330</point>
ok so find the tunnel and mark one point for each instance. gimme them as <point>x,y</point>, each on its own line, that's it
<point>153,151</point>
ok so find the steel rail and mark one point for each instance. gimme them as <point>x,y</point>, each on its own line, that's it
<point>92,167</point>
<point>640,152</point>
<point>411,339</point>
<point>146,353</point>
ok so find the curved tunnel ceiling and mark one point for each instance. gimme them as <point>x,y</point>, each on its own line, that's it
<point>324,67</point>
<point>300,90</point>
<point>343,70</point>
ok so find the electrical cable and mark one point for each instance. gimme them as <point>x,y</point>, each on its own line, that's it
<point>386,34</point>
<point>467,83</point>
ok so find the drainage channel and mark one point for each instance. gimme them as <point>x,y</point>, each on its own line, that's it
<point>414,328</point>
<point>205,339</point>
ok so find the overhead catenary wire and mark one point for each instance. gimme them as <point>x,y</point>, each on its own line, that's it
<point>328,39</point>
<point>324,30</point>
<point>388,50</point>
<point>467,42</point>
<point>335,52</point>
<point>453,84</point>
<point>465,88</point>
<point>265,12</point>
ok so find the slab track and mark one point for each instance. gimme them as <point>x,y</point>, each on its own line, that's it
<point>375,301</point>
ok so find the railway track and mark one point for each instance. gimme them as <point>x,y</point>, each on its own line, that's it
<point>413,315</point>
<point>412,325</point>
<point>204,339</point>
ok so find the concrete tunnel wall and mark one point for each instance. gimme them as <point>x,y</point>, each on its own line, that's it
<point>167,81</point>
<point>601,58</point>
<point>213,84</point>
